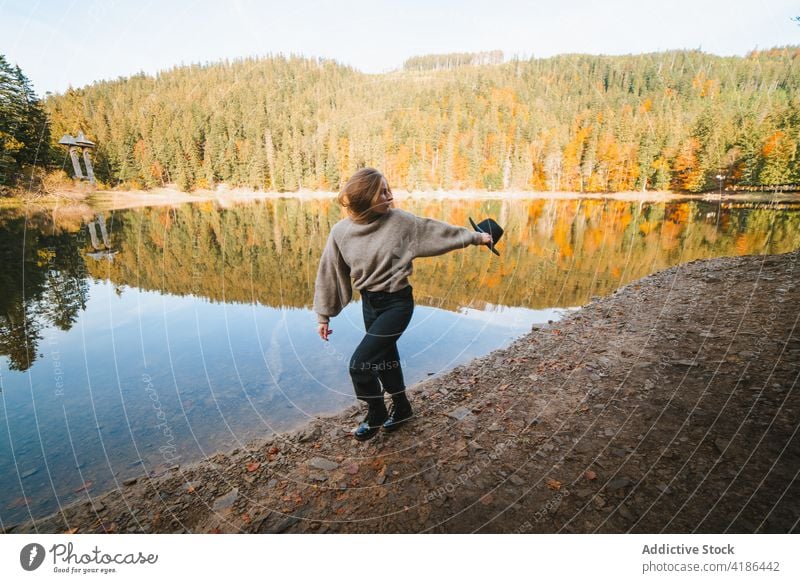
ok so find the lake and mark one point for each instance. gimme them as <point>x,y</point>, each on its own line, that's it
<point>134,340</point>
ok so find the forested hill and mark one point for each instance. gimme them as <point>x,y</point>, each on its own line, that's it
<point>672,120</point>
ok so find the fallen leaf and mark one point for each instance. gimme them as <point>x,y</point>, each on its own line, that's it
<point>553,484</point>
<point>590,475</point>
<point>273,450</point>
<point>246,518</point>
<point>486,499</point>
<point>253,466</point>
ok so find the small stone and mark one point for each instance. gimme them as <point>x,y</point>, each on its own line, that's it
<point>321,463</point>
<point>618,484</point>
<point>226,502</point>
<point>310,434</point>
<point>468,426</point>
<point>474,447</point>
<point>129,481</point>
<point>317,477</point>
<point>459,413</point>
<point>625,513</point>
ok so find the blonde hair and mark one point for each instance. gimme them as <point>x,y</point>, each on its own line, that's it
<point>360,194</point>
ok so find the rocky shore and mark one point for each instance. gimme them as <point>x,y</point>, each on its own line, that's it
<point>670,406</point>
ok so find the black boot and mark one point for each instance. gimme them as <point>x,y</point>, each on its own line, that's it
<point>399,412</point>
<point>372,423</point>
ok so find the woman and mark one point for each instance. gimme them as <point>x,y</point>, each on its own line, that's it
<point>374,247</point>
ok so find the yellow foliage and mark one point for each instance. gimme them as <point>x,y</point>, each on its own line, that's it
<point>742,244</point>
<point>670,235</point>
<point>45,256</point>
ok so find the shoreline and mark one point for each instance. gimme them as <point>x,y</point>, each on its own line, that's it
<point>668,406</point>
<point>118,200</point>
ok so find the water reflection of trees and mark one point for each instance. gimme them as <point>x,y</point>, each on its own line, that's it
<point>555,253</point>
<point>42,283</point>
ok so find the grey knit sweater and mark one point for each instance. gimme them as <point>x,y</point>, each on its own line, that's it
<point>377,256</point>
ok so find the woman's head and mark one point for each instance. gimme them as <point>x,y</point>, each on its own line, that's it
<point>366,195</point>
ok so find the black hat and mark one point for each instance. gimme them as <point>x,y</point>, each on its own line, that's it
<point>489,226</point>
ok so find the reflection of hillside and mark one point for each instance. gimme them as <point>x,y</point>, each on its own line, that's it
<point>555,253</point>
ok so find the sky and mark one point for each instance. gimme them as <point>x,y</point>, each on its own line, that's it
<point>70,43</point>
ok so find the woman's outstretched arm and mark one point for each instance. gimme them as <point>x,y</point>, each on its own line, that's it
<point>434,237</point>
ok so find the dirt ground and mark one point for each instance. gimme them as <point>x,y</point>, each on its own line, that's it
<point>670,406</point>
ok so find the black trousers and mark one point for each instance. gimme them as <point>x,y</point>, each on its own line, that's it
<point>386,316</point>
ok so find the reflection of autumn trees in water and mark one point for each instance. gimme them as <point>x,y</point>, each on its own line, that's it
<point>42,283</point>
<point>554,253</point>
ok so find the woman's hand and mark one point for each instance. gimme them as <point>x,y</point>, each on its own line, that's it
<point>486,238</point>
<point>324,331</point>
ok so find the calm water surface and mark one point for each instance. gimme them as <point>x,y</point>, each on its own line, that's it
<point>137,339</point>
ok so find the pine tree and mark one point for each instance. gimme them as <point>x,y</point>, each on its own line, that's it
<point>24,125</point>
